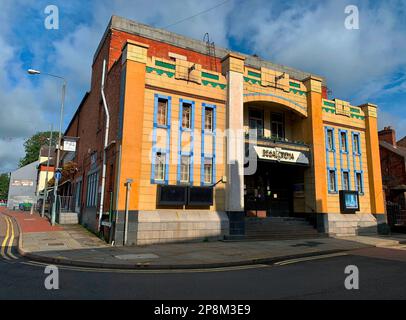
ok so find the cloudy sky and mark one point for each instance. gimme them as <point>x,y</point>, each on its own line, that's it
<point>362,65</point>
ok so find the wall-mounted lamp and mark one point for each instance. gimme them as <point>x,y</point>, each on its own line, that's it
<point>222,180</point>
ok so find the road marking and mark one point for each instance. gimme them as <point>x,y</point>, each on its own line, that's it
<point>4,244</point>
<point>10,244</point>
<point>105,270</point>
<point>326,256</point>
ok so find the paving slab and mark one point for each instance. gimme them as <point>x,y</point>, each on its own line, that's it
<point>74,245</point>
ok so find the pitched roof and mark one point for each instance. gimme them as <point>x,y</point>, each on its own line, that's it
<point>398,150</point>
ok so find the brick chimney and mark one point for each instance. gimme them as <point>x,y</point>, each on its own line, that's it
<point>388,135</point>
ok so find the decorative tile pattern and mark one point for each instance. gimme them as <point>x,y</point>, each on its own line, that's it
<point>160,72</point>
<point>214,84</point>
<point>252,81</point>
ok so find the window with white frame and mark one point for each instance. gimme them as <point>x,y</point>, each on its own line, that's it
<point>185,169</point>
<point>358,181</point>
<point>356,144</point>
<point>332,186</point>
<point>346,180</point>
<point>162,112</point>
<point>186,116</point>
<point>330,139</point>
<point>277,125</point>
<point>208,119</point>
<point>256,121</point>
<point>159,166</point>
<point>343,139</point>
<point>208,170</point>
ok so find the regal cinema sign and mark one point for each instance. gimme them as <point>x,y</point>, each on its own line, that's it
<point>281,155</point>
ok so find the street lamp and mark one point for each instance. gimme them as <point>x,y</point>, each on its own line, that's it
<point>36,72</point>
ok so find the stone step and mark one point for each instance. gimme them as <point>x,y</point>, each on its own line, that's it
<point>68,218</point>
<point>287,223</point>
<point>257,235</point>
<point>274,219</point>
<point>285,237</point>
<point>278,226</point>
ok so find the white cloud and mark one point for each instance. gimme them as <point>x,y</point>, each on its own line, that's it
<point>306,34</point>
<point>312,36</point>
<point>386,119</point>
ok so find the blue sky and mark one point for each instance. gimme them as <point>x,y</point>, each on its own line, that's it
<point>365,65</point>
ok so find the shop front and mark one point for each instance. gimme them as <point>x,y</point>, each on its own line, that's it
<point>276,189</point>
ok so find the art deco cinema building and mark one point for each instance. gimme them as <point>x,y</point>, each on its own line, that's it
<point>175,105</point>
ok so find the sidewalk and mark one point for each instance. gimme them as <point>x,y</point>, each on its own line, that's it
<point>74,245</point>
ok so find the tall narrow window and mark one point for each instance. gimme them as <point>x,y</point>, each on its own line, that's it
<point>358,180</point>
<point>343,137</point>
<point>162,112</point>
<point>208,119</point>
<point>332,187</point>
<point>92,189</point>
<point>159,166</point>
<point>185,169</point>
<point>256,122</point>
<point>330,139</point>
<point>277,125</point>
<point>208,171</point>
<point>357,147</point>
<point>186,116</point>
<point>346,180</point>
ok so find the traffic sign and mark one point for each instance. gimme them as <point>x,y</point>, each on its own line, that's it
<point>58,175</point>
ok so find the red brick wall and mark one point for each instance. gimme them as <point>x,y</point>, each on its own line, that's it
<point>402,142</point>
<point>89,123</point>
<point>324,92</point>
<point>156,49</point>
<point>388,135</point>
<point>393,168</point>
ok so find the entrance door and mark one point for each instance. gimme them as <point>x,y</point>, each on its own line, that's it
<point>271,189</point>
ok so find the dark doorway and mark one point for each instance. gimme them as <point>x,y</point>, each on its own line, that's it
<point>273,190</point>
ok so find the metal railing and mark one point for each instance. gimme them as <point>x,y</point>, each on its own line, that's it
<point>396,216</point>
<point>65,204</point>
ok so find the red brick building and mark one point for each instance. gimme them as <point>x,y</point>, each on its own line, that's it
<point>393,164</point>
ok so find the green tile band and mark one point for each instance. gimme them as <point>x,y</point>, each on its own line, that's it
<point>294,84</point>
<point>329,104</point>
<point>355,110</point>
<point>254,74</point>
<point>165,65</point>
<point>210,76</point>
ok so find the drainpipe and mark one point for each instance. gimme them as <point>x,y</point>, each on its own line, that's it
<point>106,139</point>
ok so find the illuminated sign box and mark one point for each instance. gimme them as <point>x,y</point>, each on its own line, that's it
<point>282,155</point>
<point>349,201</point>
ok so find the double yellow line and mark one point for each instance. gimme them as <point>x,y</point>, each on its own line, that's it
<point>7,243</point>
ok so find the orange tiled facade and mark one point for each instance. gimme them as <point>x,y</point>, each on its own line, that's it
<point>187,128</point>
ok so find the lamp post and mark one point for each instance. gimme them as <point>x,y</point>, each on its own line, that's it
<point>46,176</point>
<point>36,72</point>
